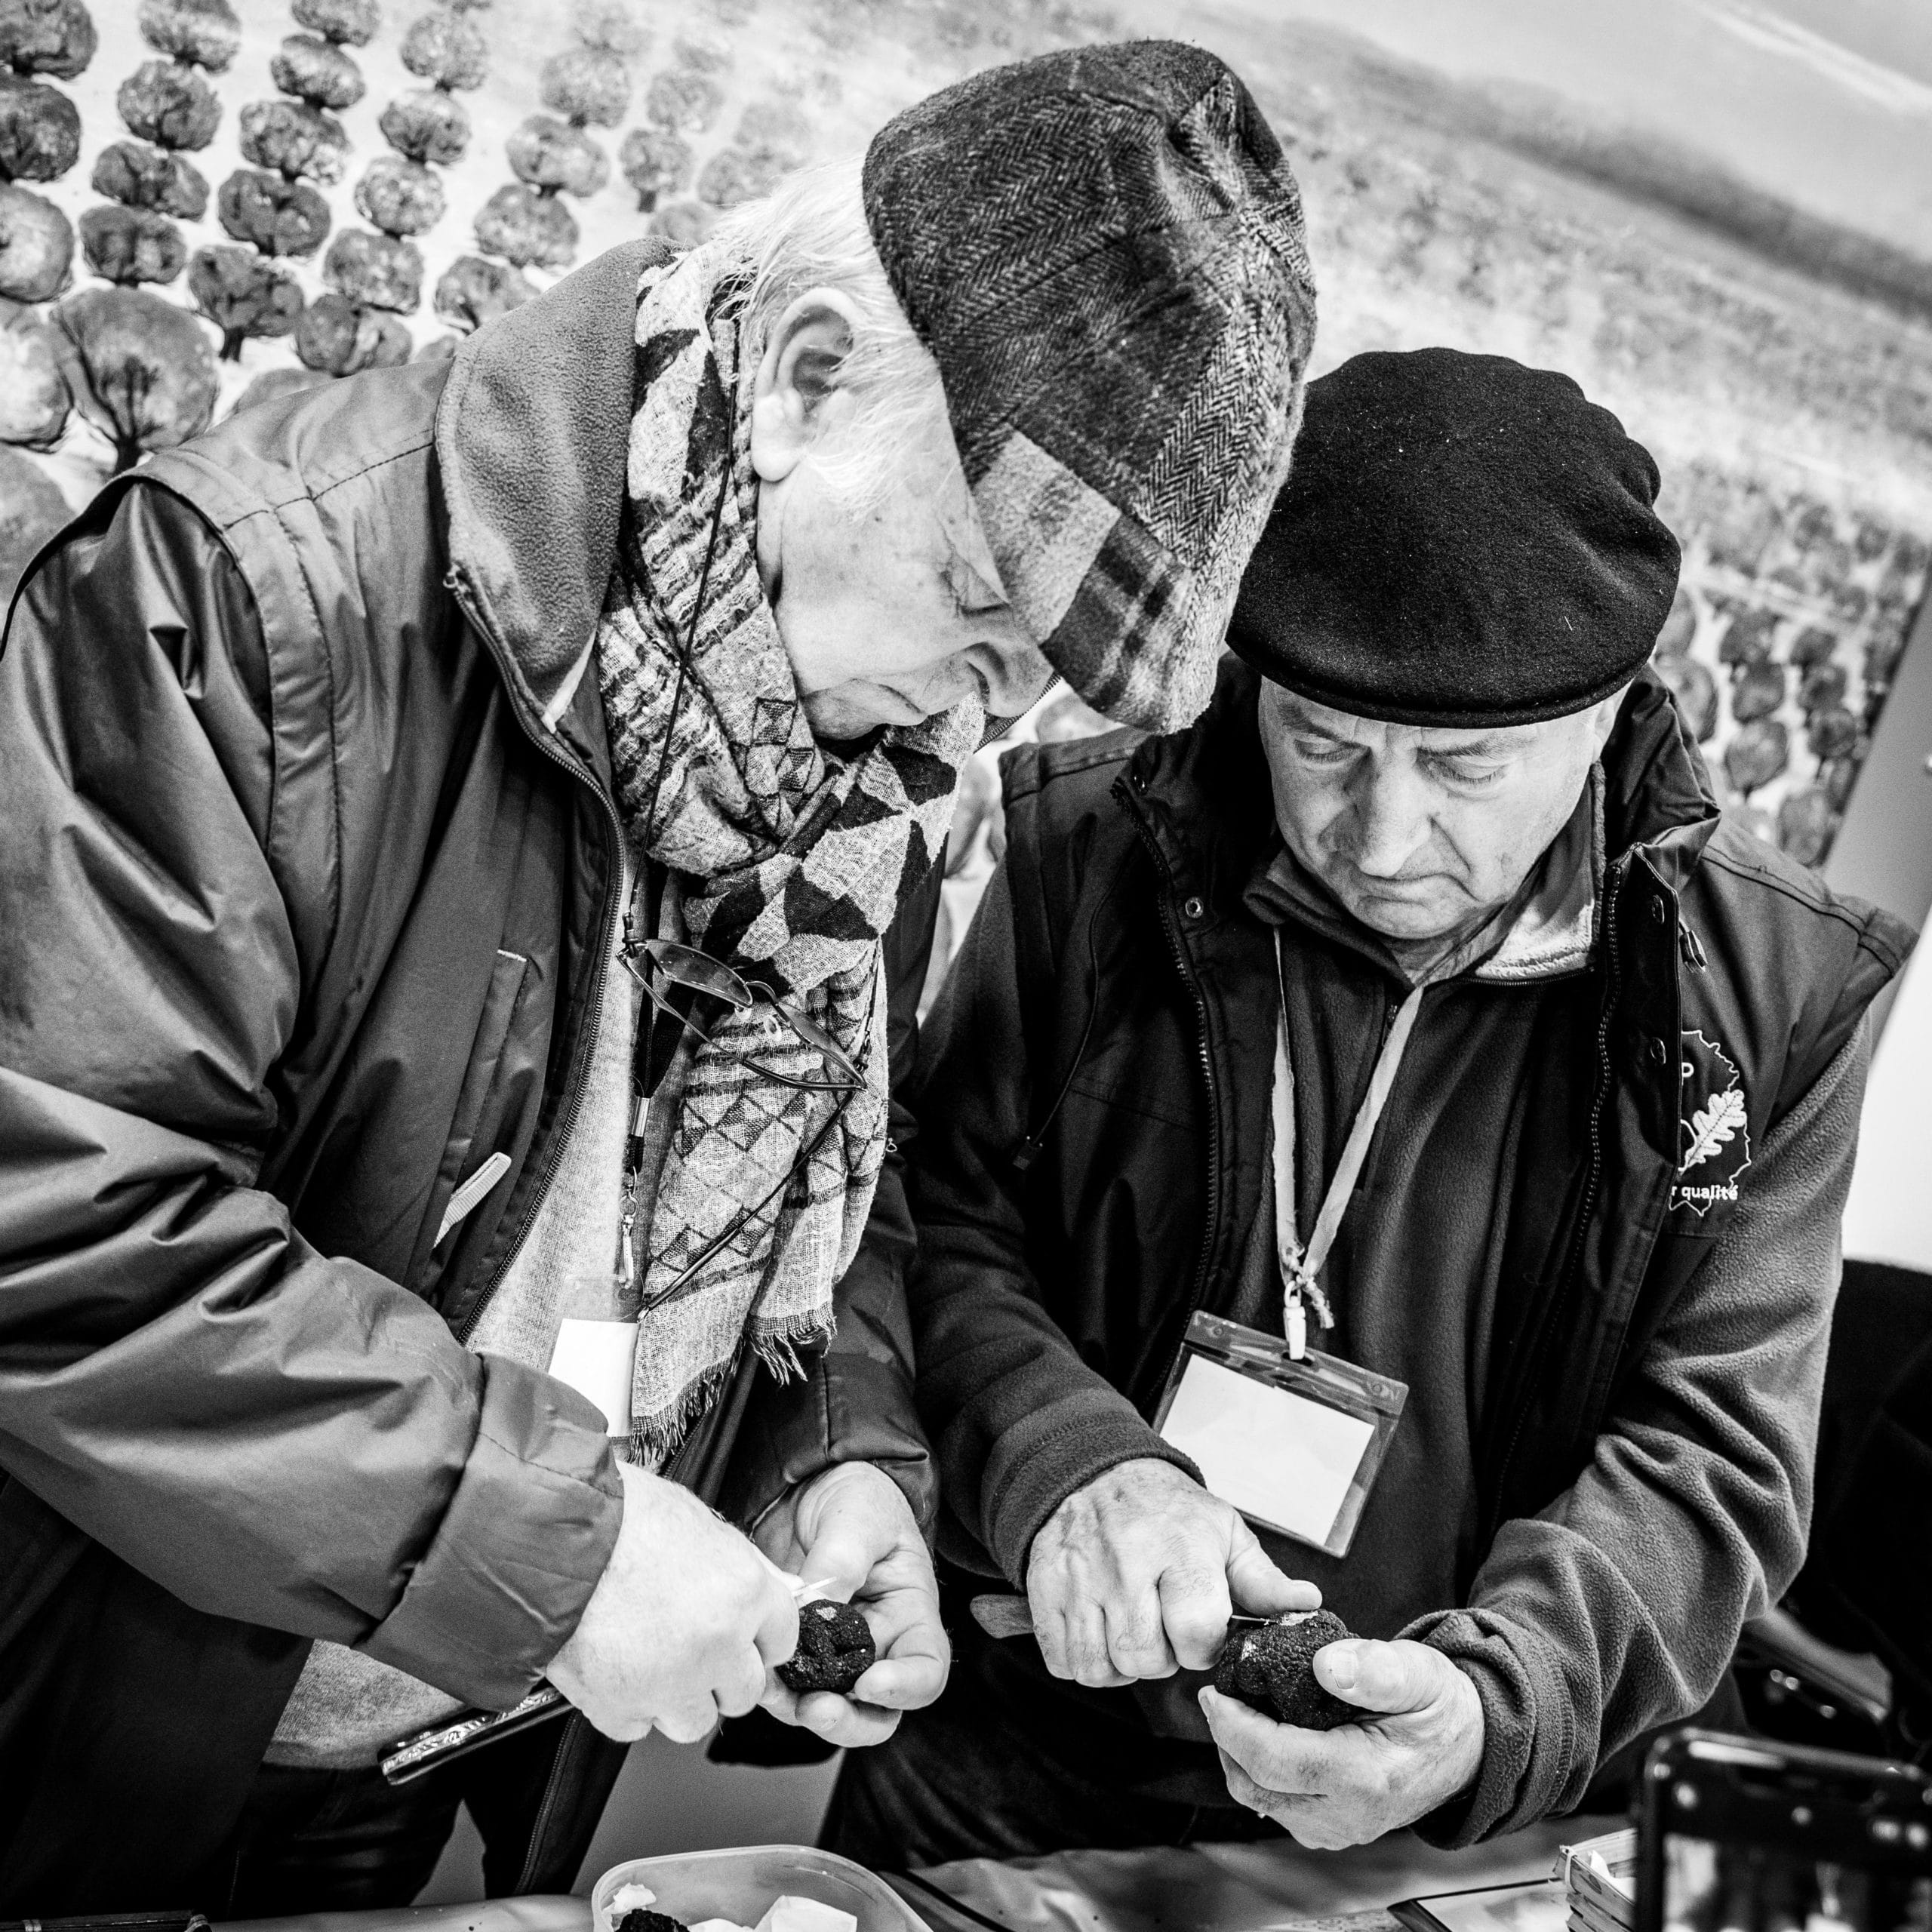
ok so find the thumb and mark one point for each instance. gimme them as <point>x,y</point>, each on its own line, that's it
<point>776,1636</point>
<point>1258,1586</point>
<point>841,1556</point>
<point>1390,1677</point>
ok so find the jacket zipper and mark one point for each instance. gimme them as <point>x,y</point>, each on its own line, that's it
<point>1188,979</point>
<point>600,970</point>
<point>1592,1182</point>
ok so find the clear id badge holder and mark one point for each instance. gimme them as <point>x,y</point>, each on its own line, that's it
<point>1294,1445</point>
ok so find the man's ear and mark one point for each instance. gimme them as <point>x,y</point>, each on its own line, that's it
<point>799,394</point>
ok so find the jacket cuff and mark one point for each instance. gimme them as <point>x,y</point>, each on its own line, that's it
<point>1056,1450</point>
<point>855,1411</point>
<point>1522,1771</point>
<point>526,1537</point>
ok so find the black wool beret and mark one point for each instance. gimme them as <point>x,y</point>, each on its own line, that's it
<point>1461,541</point>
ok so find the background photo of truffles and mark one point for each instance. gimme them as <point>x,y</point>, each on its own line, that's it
<point>203,202</point>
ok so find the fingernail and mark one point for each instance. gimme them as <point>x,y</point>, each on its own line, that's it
<point>1341,1668</point>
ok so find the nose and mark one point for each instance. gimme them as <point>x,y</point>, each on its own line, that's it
<point>1017,673</point>
<point>1390,818</point>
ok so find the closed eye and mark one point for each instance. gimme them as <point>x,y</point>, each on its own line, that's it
<point>1324,751</point>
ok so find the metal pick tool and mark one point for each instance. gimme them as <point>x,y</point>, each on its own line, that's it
<point>1013,1617</point>
<point>422,1751</point>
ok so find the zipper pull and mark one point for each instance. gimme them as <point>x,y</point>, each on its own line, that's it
<point>1693,947</point>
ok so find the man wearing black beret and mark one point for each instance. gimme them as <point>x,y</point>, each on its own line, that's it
<point>1410,1037</point>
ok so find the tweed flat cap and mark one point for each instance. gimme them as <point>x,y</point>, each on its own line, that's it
<point>1103,249</point>
<point>1462,541</point>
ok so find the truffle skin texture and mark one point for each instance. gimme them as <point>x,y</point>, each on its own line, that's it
<point>54,37</point>
<point>586,84</point>
<point>1758,753</point>
<point>139,177</point>
<point>377,271</point>
<point>835,1649</point>
<point>1270,1671</point>
<point>205,32</point>
<point>170,104</point>
<point>294,139</point>
<point>552,154</point>
<point>36,247</point>
<point>525,228</point>
<point>429,125</point>
<point>316,72</point>
<point>347,23</point>
<point>681,102</point>
<point>145,372</point>
<point>131,245</point>
<point>609,24</point>
<point>335,337</point>
<point>651,1921</point>
<point>279,217</point>
<point>475,291</point>
<point>446,52</point>
<point>244,295</point>
<point>40,131</point>
<point>654,163</point>
<point>400,197</point>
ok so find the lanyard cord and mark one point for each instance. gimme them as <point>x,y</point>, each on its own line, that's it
<point>1300,1266</point>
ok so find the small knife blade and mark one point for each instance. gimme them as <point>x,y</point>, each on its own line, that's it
<point>1002,1616</point>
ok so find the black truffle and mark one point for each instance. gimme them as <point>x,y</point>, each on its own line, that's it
<point>641,1921</point>
<point>835,1649</point>
<point>1270,1670</point>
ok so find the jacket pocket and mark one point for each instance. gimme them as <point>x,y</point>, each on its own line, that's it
<point>468,1145</point>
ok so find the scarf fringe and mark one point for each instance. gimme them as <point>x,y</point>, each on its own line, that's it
<point>657,1439</point>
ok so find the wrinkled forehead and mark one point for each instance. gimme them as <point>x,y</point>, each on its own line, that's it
<point>1284,710</point>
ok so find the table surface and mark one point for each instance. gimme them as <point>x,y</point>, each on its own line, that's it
<point>1271,1887</point>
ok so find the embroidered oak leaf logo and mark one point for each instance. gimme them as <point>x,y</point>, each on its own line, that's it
<point>1714,1124</point>
<point>1716,1136</point>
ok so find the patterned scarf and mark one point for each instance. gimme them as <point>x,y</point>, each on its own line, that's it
<point>792,863</point>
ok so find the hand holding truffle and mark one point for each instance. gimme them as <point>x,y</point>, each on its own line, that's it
<point>1136,1575</point>
<point>851,1530</point>
<point>683,1623</point>
<point>1414,1742</point>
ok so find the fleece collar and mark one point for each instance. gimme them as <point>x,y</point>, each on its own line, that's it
<point>531,437</point>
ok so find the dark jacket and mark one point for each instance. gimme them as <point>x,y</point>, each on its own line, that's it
<point>304,911</point>
<point>1111,1022</point>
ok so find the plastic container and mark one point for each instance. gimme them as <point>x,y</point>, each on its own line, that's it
<point>740,1885</point>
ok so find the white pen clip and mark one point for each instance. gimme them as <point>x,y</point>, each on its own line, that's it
<point>471,1192</point>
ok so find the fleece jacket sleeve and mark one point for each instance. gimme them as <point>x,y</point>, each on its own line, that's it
<point>1019,1422</point>
<point>272,1435</point>
<point>1618,1608</point>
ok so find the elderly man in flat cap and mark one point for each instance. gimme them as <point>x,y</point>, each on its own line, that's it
<point>1384,1144</point>
<point>468,854</point>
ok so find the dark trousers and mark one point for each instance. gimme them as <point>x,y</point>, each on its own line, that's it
<point>347,1841</point>
<point>331,1841</point>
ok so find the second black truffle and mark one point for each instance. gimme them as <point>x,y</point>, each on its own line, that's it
<point>642,1920</point>
<point>1270,1671</point>
<point>835,1649</point>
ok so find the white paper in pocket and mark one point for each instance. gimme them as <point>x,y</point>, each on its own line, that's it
<point>595,1358</point>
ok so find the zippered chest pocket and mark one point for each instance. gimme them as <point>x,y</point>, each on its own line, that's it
<point>482,1113</point>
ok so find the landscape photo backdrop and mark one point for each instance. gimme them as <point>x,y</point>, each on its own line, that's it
<point>202,201</point>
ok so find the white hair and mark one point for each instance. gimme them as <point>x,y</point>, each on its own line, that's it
<point>811,232</point>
